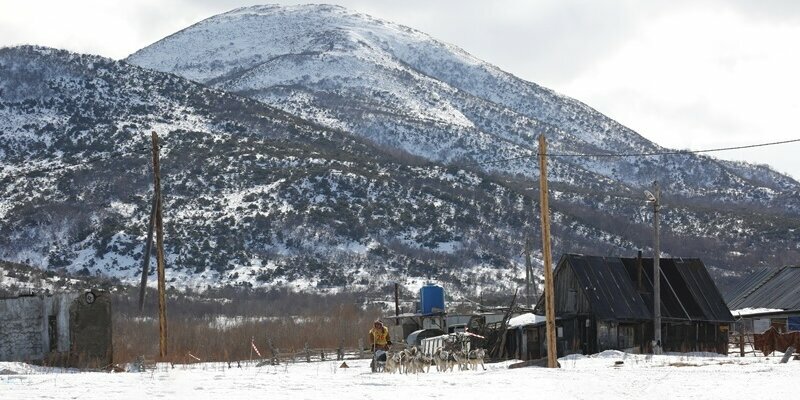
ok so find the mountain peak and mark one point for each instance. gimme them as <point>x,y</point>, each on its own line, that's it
<point>263,9</point>
<point>251,35</point>
<point>402,88</point>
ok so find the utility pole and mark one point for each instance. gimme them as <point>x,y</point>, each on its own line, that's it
<point>549,297</point>
<point>529,274</point>
<point>162,300</point>
<point>146,259</point>
<point>655,201</point>
<point>396,303</point>
<point>528,271</point>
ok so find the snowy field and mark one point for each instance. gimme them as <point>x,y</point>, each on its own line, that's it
<point>595,377</point>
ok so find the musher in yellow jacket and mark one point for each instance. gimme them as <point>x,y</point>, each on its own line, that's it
<point>379,337</point>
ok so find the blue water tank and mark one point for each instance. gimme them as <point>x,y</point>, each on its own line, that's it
<point>431,298</point>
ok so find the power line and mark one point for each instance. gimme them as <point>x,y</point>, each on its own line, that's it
<point>643,154</point>
<point>104,157</point>
<point>576,155</point>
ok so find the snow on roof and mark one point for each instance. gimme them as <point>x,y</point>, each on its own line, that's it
<point>754,311</point>
<point>524,319</point>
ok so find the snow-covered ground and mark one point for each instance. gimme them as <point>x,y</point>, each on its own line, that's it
<point>596,377</point>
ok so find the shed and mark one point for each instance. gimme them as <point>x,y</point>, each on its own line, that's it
<point>71,329</point>
<point>32,327</point>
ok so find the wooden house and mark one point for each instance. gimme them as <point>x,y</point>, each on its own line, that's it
<point>604,303</point>
<point>768,298</point>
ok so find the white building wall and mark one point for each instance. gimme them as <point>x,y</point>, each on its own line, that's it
<point>24,330</point>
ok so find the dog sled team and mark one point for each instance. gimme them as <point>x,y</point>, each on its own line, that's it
<point>413,360</point>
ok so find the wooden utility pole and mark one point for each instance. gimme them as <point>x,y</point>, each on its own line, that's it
<point>655,200</point>
<point>529,273</point>
<point>549,298</point>
<point>396,303</point>
<point>147,250</point>
<point>162,300</point>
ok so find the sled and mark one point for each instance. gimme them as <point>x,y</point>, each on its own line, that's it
<point>378,361</point>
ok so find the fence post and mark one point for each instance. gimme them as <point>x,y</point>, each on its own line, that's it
<point>788,355</point>
<point>741,337</point>
<point>274,352</point>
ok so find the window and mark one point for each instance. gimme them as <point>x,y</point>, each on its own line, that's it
<point>793,324</point>
<point>572,301</point>
<point>779,324</point>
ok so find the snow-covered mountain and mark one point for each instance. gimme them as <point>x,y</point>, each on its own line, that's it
<point>253,196</point>
<point>314,147</point>
<point>403,89</point>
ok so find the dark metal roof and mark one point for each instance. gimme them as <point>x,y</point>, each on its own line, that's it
<point>687,290</point>
<point>607,285</point>
<point>770,288</point>
<point>610,283</point>
<point>746,284</point>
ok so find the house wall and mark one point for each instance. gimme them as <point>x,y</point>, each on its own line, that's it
<point>21,329</point>
<point>25,328</point>
<point>522,343</point>
<point>757,323</point>
<point>90,330</point>
<point>575,335</point>
<point>695,336</point>
<point>568,294</point>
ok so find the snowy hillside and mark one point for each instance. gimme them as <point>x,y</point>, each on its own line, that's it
<point>404,89</point>
<point>341,160</point>
<point>253,196</point>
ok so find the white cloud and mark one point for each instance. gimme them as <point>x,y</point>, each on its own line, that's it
<point>703,77</point>
<point>105,27</point>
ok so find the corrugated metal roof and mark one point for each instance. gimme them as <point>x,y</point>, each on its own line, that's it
<point>610,283</point>
<point>608,287</point>
<point>687,290</point>
<point>748,284</point>
<point>705,293</point>
<point>771,288</point>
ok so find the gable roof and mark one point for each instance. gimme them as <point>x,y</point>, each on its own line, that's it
<point>774,288</point>
<point>610,284</point>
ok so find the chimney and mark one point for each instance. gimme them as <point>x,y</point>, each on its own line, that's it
<point>639,269</point>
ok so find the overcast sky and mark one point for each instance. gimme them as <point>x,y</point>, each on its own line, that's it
<point>685,74</point>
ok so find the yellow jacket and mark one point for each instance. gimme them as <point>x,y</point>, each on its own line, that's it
<point>380,337</point>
